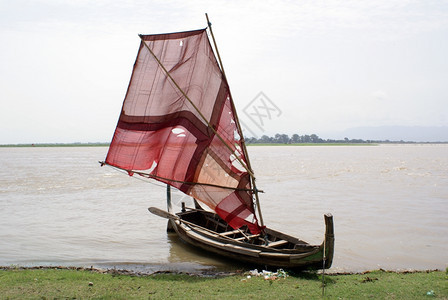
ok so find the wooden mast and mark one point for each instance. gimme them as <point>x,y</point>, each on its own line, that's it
<point>243,143</point>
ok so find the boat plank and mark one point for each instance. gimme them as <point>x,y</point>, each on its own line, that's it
<point>277,243</point>
<point>248,237</point>
<point>242,250</point>
<point>227,233</point>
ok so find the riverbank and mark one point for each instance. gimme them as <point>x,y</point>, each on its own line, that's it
<point>75,283</point>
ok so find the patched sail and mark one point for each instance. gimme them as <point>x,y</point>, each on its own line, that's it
<point>178,126</point>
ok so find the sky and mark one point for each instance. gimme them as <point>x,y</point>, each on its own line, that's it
<point>293,66</point>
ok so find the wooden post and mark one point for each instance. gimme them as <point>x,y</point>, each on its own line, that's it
<point>169,226</point>
<point>168,198</point>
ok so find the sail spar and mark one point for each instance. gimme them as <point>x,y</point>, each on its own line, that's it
<point>178,126</point>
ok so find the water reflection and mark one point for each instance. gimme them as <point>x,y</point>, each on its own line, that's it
<point>183,258</point>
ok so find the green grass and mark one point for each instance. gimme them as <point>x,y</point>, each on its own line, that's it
<point>85,284</point>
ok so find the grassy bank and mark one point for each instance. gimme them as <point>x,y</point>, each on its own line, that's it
<point>82,284</point>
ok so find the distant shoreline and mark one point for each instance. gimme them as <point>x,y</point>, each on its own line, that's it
<point>42,145</point>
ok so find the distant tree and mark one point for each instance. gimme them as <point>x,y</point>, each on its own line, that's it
<point>295,138</point>
<point>277,138</point>
<point>315,139</point>
<point>265,139</point>
<point>285,139</point>
<point>281,138</point>
<point>251,140</point>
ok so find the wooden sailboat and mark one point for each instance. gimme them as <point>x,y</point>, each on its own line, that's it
<point>178,125</point>
<point>209,232</point>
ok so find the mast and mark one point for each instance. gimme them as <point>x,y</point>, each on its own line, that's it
<point>243,143</point>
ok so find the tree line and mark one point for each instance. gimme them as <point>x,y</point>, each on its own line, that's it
<point>308,139</point>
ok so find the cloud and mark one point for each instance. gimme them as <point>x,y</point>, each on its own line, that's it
<point>325,64</point>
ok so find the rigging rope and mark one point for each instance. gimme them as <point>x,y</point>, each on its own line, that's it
<point>150,176</point>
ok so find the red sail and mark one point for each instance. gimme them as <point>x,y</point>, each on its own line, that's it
<point>194,146</point>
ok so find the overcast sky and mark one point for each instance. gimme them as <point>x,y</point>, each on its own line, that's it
<point>321,66</point>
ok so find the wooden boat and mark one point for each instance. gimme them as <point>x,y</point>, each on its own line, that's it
<point>209,232</point>
<point>179,126</point>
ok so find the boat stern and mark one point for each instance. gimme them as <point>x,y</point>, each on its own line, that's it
<point>328,243</point>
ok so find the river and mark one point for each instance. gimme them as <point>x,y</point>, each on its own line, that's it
<point>389,202</point>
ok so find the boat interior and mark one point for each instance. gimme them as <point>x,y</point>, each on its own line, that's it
<point>214,223</point>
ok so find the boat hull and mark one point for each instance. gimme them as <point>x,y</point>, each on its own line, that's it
<point>273,249</point>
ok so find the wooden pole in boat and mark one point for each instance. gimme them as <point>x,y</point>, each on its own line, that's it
<point>243,143</point>
<point>170,216</point>
<point>169,225</point>
<point>168,198</point>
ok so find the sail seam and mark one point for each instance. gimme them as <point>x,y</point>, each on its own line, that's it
<point>196,108</point>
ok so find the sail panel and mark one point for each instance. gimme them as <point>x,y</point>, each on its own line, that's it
<point>190,143</point>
